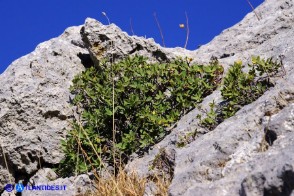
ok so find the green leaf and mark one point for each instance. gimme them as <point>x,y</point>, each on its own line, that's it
<point>108,112</point>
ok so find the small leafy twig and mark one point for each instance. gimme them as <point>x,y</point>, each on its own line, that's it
<point>159,28</point>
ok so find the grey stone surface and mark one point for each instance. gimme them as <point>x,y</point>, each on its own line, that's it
<point>271,36</point>
<point>79,185</point>
<point>109,41</point>
<point>6,178</point>
<point>250,148</point>
<point>34,104</point>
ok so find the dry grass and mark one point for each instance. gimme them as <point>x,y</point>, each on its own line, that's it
<point>162,184</point>
<point>121,183</point>
<point>124,184</point>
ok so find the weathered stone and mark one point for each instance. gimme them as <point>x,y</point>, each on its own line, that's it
<point>251,142</point>
<point>108,41</point>
<point>34,104</point>
<point>79,185</point>
<point>5,178</point>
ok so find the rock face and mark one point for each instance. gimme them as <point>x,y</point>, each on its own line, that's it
<point>251,153</point>
<point>79,185</point>
<point>35,109</point>
<point>34,105</point>
<point>109,41</point>
<point>231,159</point>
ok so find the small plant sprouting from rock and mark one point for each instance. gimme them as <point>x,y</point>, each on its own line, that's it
<point>186,139</point>
<point>240,88</point>
<point>148,99</point>
<point>265,67</point>
<point>210,121</point>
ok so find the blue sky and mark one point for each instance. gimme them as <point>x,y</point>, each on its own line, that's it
<point>25,24</point>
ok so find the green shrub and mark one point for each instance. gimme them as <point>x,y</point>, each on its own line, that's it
<point>147,98</point>
<point>240,88</point>
<point>264,66</point>
<point>210,121</point>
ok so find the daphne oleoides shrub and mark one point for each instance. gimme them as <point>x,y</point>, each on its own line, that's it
<point>148,98</point>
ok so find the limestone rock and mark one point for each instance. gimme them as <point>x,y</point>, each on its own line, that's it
<point>6,178</point>
<point>248,149</point>
<point>79,185</point>
<point>109,41</point>
<point>35,106</point>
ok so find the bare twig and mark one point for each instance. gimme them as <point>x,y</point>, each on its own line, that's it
<point>5,160</point>
<point>39,158</point>
<point>282,65</point>
<point>77,163</point>
<point>104,14</point>
<point>131,25</point>
<point>253,9</point>
<point>90,142</point>
<point>187,29</point>
<point>113,122</point>
<point>159,28</point>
